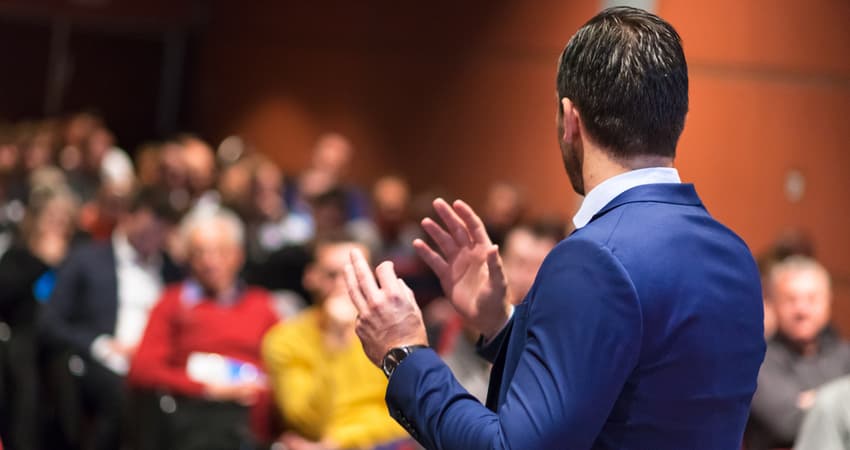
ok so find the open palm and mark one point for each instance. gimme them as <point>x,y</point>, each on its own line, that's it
<point>468,265</point>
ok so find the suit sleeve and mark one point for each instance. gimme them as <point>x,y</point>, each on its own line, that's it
<point>56,318</point>
<point>582,343</point>
<point>489,350</point>
<point>153,364</point>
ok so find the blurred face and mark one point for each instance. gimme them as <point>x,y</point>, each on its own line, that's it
<point>391,198</point>
<point>215,257</point>
<point>99,143</point>
<point>57,218</point>
<point>38,154</point>
<point>524,253</point>
<point>332,154</point>
<point>267,192</point>
<point>503,205</point>
<point>147,166</point>
<point>8,158</point>
<point>801,302</point>
<point>145,231</point>
<point>172,167</point>
<point>326,280</point>
<point>199,162</point>
<point>327,271</point>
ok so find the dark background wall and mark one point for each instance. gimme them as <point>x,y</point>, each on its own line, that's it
<point>459,94</point>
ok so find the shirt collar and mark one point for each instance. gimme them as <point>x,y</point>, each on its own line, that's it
<point>193,293</point>
<point>609,189</point>
<point>124,252</point>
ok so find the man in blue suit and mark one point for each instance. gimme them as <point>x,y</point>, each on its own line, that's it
<point>643,329</point>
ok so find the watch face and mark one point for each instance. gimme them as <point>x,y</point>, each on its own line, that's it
<point>393,358</point>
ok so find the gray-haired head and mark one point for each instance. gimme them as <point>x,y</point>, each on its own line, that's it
<point>210,216</point>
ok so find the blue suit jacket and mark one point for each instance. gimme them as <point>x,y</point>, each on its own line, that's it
<point>643,330</point>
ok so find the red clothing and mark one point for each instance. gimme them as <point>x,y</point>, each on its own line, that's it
<point>180,325</point>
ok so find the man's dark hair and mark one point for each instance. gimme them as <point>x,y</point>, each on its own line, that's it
<point>158,202</point>
<point>625,72</point>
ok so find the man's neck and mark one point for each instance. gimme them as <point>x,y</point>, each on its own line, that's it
<point>600,166</point>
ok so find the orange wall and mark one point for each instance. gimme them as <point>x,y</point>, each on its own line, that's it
<point>459,94</point>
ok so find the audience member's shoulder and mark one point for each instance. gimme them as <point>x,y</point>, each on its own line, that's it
<point>777,354</point>
<point>293,331</point>
<point>88,249</point>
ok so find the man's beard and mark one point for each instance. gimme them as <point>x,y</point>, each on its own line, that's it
<point>573,158</point>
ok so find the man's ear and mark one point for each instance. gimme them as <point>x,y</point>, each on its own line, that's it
<point>569,120</point>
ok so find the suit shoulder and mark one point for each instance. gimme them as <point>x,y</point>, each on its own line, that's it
<point>584,253</point>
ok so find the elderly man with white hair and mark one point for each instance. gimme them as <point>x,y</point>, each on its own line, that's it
<point>202,343</point>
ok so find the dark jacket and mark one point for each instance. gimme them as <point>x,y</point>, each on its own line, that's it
<point>84,304</point>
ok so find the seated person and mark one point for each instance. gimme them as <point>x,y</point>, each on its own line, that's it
<point>329,394</point>
<point>804,354</point>
<point>97,311</point>
<point>202,343</point>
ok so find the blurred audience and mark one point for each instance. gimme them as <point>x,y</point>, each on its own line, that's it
<point>327,172</point>
<point>803,355</point>
<point>523,252</point>
<point>188,172</point>
<point>504,209</point>
<point>202,344</point>
<point>270,225</point>
<point>97,352</point>
<point>26,280</point>
<point>99,307</point>
<point>391,203</point>
<point>329,394</point>
<point>276,238</point>
<point>330,218</point>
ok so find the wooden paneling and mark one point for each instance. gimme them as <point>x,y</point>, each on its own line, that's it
<point>462,94</point>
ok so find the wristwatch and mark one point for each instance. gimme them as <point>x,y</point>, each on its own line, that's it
<point>396,355</point>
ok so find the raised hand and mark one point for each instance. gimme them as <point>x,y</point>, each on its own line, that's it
<point>468,265</point>
<point>387,315</point>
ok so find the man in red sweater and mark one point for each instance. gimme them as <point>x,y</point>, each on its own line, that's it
<point>202,344</point>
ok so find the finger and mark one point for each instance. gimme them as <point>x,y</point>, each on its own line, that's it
<point>354,292</point>
<point>431,258</point>
<point>408,292</point>
<point>443,239</point>
<point>389,280</point>
<point>364,277</point>
<point>473,222</point>
<point>454,224</point>
<point>495,268</point>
